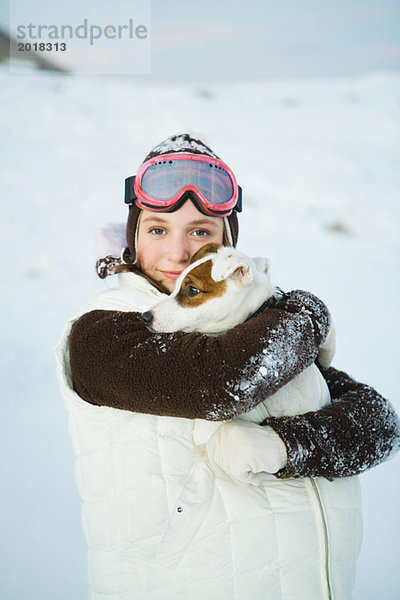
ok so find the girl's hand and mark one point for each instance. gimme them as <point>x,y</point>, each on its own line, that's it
<point>244,451</point>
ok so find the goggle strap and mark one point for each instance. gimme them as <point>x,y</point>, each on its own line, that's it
<point>238,207</point>
<point>129,193</point>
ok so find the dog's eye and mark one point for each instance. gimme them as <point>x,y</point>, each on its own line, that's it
<point>192,291</point>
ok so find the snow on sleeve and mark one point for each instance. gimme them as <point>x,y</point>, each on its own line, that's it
<point>359,430</point>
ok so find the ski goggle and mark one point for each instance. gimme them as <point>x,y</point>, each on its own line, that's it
<point>164,182</point>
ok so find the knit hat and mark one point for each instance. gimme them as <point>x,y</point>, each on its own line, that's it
<point>113,250</point>
<point>176,143</point>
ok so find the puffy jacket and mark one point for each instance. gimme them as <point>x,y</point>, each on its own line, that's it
<point>160,524</point>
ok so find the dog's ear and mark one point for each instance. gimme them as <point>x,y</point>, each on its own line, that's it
<point>242,274</point>
<point>204,251</point>
<point>262,264</point>
<point>228,263</point>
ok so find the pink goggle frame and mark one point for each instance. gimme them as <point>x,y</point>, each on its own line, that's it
<point>220,194</point>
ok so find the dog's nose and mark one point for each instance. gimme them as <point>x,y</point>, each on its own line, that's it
<point>147,317</point>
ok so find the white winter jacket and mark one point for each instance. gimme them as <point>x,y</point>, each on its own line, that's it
<point>160,525</point>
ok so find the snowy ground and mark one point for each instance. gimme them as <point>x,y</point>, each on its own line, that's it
<point>319,164</point>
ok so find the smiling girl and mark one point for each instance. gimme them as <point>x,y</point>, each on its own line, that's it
<point>161,523</point>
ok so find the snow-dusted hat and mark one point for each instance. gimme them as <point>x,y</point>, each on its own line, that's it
<point>116,244</point>
<point>183,142</point>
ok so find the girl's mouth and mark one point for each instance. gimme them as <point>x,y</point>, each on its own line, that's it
<point>171,274</point>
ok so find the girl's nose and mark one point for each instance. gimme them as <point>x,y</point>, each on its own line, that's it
<point>179,251</point>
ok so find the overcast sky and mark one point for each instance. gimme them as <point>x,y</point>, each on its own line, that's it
<point>228,40</point>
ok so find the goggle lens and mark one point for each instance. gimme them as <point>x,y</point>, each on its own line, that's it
<point>165,179</point>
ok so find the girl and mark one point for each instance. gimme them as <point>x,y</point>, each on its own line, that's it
<point>161,522</point>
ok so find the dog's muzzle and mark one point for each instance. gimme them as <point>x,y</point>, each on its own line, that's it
<point>147,318</point>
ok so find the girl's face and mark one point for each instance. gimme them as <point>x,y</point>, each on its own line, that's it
<point>167,241</point>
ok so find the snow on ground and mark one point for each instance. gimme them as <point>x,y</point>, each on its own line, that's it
<point>319,164</point>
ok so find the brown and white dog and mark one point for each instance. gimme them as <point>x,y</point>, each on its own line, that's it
<point>220,289</point>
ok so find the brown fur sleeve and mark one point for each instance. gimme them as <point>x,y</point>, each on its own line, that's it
<point>357,431</point>
<point>117,362</point>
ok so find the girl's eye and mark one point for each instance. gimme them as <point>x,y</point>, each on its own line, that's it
<point>157,230</point>
<point>192,291</point>
<point>200,233</point>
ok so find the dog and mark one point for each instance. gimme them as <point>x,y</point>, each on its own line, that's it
<point>221,288</point>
